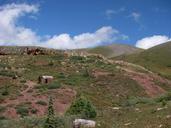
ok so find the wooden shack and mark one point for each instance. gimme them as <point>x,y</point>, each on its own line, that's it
<point>45,79</point>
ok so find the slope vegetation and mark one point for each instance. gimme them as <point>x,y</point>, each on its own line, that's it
<point>112,50</point>
<point>124,94</point>
<point>157,59</point>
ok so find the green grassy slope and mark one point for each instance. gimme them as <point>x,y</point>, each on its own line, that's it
<point>157,59</point>
<point>112,50</point>
<point>105,86</point>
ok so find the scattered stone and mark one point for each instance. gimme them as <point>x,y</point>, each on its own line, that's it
<point>160,126</point>
<point>116,108</point>
<point>168,116</point>
<point>127,124</point>
<point>137,109</point>
<point>158,109</point>
<point>78,123</point>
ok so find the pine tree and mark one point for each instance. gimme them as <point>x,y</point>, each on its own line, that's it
<point>50,121</point>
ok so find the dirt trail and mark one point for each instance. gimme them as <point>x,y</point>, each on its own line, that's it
<point>30,85</point>
<point>144,77</point>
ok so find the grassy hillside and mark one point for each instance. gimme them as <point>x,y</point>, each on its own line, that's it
<point>118,97</point>
<point>112,50</point>
<point>157,59</point>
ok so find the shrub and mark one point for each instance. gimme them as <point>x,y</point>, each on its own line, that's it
<point>164,103</point>
<point>1,98</point>
<point>51,63</point>
<point>33,110</point>
<point>165,97</point>
<point>22,81</point>
<point>82,107</point>
<point>23,111</point>
<point>5,91</point>
<point>54,85</point>
<point>61,75</point>
<point>41,102</point>
<point>153,111</point>
<point>77,58</point>
<point>169,66</point>
<point>2,108</point>
<point>138,100</point>
<point>2,117</point>
<point>59,122</point>
<point>7,73</point>
<point>86,73</point>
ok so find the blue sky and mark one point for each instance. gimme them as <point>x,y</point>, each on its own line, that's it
<point>62,23</point>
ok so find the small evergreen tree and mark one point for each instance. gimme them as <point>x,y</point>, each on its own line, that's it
<point>50,121</point>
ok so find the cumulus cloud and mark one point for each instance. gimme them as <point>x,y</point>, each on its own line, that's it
<point>102,35</point>
<point>152,41</point>
<point>13,34</point>
<point>10,33</point>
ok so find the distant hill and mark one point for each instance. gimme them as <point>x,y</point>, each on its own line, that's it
<point>113,50</point>
<point>21,49</point>
<point>157,59</point>
<point>108,51</point>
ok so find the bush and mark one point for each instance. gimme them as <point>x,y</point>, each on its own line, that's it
<point>23,111</point>
<point>59,122</point>
<point>41,102</point>
<point>61,75</point>
<point>169,66</point>
<point>54,85</point>
<point>86,73</point>
<point>138,100</point>
<point>77,58</point>
<point>7,73</point>
<point>5,91</point>
<point>2,118</point>
<point>34,111</point>
<point>1,98</point>
<point>2,108</point>
<point>82,107</point>
<point>165,97</point>
<point>164,103</point>
<point>141,100</point>
<point>51,63</point>
<point>22,81</point>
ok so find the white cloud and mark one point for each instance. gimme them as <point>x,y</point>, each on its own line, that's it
<point>152,41</point>
<point>136,16</point>
<point>103,35</point>
<point>10,33</point>
<point>13,34</point>
<point>110,12</point>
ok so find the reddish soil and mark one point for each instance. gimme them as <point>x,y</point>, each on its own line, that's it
<point>62,99</point>
<point>147,81</point>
